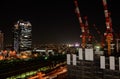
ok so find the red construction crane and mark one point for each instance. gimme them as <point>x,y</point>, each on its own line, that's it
<point>108,34</point>
<point>88,34</point>
<point>102,40</point>
<point>83,36</point>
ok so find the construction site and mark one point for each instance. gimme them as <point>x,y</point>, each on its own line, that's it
<point>93,59</point>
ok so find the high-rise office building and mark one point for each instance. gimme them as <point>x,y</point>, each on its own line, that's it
<point>22,36</point>
<point>1,40</point>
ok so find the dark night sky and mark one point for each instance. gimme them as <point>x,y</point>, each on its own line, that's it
<point>55,21</point>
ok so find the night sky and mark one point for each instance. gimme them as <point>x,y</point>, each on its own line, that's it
<point>55,21</point>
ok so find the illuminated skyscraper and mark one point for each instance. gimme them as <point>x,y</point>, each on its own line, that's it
<point>1,40</point>
<point>22,36</point>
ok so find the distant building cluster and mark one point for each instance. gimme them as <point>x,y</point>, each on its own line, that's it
<point>7,54</point>
<point>22,40</point>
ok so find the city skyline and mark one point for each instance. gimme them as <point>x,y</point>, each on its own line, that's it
<point>55,21</point>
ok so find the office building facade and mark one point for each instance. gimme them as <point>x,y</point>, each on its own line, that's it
<point>22,36</point>
<point>1,40</point>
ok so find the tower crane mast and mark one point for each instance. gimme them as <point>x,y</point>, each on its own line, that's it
<point>88,34</point>
<point>108,34</point>
<point>83,36</point>
<point>102,39</point>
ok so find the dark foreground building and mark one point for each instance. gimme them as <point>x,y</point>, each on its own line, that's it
<point>90,64</point>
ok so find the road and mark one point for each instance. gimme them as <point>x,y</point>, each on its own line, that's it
<point>52,75</point>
